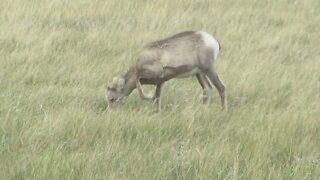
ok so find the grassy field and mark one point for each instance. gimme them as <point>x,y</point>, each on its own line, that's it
<point>56,57</point>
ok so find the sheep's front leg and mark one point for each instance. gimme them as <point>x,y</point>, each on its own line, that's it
<point>141,93</point>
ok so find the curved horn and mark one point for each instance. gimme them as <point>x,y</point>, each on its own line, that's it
<point>121,83</point>
<point>115,80</point>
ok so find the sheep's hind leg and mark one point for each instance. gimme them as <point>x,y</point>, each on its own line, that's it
<point>214,78</point>
<point>206,86</point>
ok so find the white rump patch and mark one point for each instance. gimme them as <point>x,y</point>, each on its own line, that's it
<point>210,41</point>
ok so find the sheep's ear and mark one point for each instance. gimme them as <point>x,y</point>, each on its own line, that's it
<point>121,82</point>
<point>115,81</point>
<point>107,88</point>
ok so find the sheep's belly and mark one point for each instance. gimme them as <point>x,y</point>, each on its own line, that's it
<point>189,73</point>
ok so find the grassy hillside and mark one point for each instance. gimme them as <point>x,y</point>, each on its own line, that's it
<point>56,56</point>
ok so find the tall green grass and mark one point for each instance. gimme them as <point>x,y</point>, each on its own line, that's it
<point>56,56</point>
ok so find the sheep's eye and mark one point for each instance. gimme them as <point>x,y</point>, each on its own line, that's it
<point>112,99</point>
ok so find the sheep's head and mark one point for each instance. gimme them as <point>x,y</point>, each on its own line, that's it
<point>114,93</point>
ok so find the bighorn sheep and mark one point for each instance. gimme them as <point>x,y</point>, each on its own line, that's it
<point>181,55</point>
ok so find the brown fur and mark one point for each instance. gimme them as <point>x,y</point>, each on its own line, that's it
<point>181,55</point>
